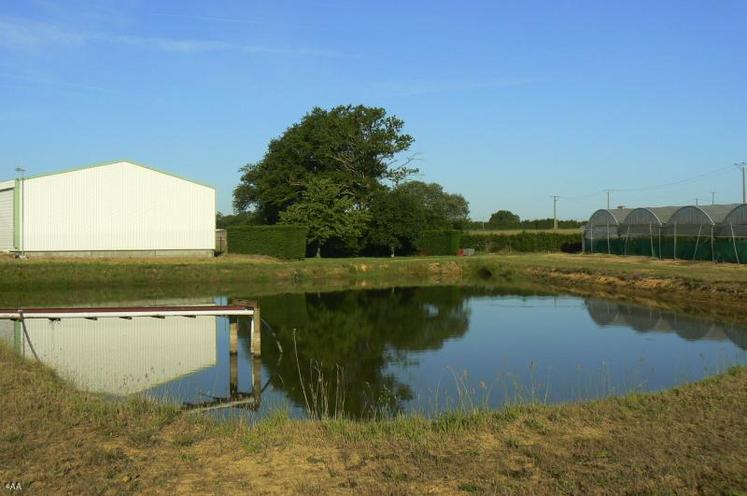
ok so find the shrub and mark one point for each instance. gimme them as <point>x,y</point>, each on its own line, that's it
<point>281,241</point>
<point>443,242</point>
<point>523,242</point>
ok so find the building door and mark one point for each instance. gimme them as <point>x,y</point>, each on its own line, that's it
<point>6,220</point>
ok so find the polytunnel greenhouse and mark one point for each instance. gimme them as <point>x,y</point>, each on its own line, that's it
<point>601,232</point>
<point>694,232</point>
<point>640,232</point>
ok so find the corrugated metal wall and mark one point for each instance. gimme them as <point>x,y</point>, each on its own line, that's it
<point>6,219</point>
<point>121,357</point>
<point>119,206</point>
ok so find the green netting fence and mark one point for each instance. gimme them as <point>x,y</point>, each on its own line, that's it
<point>733,250</point>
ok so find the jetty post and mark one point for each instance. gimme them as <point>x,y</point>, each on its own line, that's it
<point>256,338</point>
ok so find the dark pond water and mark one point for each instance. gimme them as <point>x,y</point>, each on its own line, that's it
<point>379,352</point>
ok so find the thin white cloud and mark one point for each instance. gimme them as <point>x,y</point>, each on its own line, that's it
<point>23,80</point>
<point>189,46</point>
<point>232,20</point>
<point>415,88</point>
<point>17,33</point>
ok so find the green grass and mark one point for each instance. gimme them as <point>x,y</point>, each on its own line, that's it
<point>55,439</point>
<point>717,288</point>
<point>58,440</point>
<point>51,274</point>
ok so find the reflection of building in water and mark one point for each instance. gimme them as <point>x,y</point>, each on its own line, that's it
<point>643,319</point>
<point>8,333</point>
<point>119,356</point>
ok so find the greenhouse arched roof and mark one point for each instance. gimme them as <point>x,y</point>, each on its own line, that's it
<point>735,222</point>
<point>656,216</point>
<point>608,217</point>
<point>694,215</point>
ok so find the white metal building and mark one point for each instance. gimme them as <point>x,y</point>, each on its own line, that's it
<point>112,209</point>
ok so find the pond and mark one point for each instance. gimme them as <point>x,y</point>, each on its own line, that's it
<point>376,353</point>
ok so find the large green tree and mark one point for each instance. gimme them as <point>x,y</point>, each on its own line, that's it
<point>240,219</point>
<point>397,218</point>
<point>503,218</point>
<point>442,210</point>
<point>356,147</point>
<point>328,211</point>
<point>399,215</point>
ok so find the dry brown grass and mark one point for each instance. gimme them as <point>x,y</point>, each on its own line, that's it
<point>56,440</point>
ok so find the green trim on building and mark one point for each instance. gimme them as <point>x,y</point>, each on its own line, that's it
<point>17,215</point>
<point>103,164</point>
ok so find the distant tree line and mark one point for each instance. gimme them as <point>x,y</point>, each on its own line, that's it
<point>340,173</point>
<point>505,219</point>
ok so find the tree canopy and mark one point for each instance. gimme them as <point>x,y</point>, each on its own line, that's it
<point>442,210</point>
<point>503,218</point>
<point>397,217</point>
<point>328,211</point>
<point>400,214</point>
<point>342,174</point>
<point>355,147</point>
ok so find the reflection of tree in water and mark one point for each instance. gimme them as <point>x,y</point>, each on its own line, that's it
<point>644,319</point>
<point>362,332</point>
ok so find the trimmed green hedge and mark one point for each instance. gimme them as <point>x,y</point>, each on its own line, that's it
<point>523,242</point>
<point>444,242</point>
<point>281,241</point>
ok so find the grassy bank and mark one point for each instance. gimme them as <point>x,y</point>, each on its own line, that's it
<point>55,439</point>
<point>712,287</point>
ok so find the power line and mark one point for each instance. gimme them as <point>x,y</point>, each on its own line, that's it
<point>676,183</point>
<point>711,173</point>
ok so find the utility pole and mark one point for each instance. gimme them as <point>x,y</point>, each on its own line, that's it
<point>697,202</point>
<point>20,171</point>
<point>743,166</point>
<point>713,197</point>
<point>555,212</point>
<point>608,191</point>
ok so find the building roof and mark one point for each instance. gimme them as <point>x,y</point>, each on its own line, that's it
<point>114,162</point>
<point>7,184</point>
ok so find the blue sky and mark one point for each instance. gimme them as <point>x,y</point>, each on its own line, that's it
<point>509,102</point>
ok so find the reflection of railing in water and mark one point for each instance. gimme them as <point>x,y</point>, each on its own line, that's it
<point>235,398</point>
